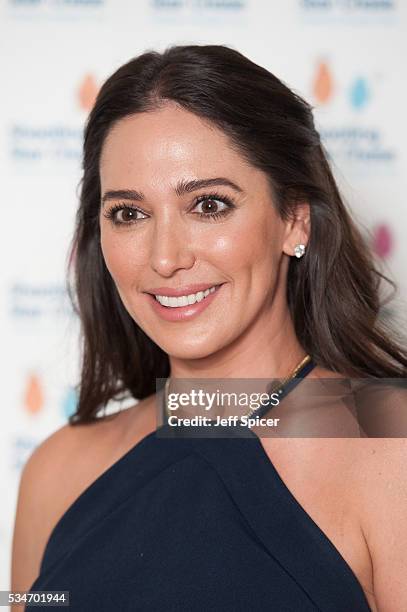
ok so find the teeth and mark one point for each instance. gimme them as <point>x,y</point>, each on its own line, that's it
<point>184,300</point>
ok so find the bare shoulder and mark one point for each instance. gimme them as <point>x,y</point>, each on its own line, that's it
<point>379,498</point>
<point>57,472</point>
<point>362,481</point>
<point>382,491</point>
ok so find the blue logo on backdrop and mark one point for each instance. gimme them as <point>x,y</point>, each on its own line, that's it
<point>65,10</point>
<point>21,448</point>
<point>213,12</point>
<point>55,3</point>
<point>69,402</point>
<point>359,94</point>
<point>360,143</point>
<point>349,5</point>
<point>351,11</point>
<point>35,143</point>
<point>35,302</point>
<point>199,5</point>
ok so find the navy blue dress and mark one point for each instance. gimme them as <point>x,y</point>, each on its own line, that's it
<point>195,524</point>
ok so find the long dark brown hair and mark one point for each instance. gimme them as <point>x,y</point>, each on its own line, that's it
<point>333,290</point>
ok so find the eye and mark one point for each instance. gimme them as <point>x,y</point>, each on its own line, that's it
<point>121,214</point>
<point>213,206</point>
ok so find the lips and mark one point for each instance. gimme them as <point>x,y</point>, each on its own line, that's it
<point>187,312</point>
<point>185,290</point>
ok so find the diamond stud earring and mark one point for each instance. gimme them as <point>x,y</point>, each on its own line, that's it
<point>299,250</point>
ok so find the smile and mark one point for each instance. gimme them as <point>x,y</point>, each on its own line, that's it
<point>183,307</point>
<point>184,300</point>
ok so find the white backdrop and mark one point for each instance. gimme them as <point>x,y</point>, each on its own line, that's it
<point>344,56</point>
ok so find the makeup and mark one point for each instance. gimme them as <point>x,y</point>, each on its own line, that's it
<point>183,313</point>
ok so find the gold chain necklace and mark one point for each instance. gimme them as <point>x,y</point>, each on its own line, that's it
<point>277,388</point>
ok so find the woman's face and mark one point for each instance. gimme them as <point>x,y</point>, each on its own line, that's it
<point>191,214</point>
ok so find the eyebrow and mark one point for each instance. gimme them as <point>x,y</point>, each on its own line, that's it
<point>181,188</point>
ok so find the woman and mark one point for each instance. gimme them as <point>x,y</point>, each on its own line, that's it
<point>204,177</point>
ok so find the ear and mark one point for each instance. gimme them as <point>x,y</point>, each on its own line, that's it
<point>298,228</point>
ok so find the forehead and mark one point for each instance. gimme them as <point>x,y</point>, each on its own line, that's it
<point>167,142</point>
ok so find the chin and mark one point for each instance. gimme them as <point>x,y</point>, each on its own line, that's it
<point>187,351</point>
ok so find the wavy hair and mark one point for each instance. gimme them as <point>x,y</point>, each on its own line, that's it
<point>332,291</point>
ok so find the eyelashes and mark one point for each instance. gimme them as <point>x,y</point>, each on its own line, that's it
<point>111,214</point>
<point>212,215</point>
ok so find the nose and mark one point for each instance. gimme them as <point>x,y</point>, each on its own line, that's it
<point>171,247</point>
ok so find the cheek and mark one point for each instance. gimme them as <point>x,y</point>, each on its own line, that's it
<point>122,260</point>
<point>247,246</point>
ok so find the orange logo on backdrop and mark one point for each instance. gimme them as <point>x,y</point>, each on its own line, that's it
<point>33,396</point>
<point>323,83</point>
<point>87,92</point>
